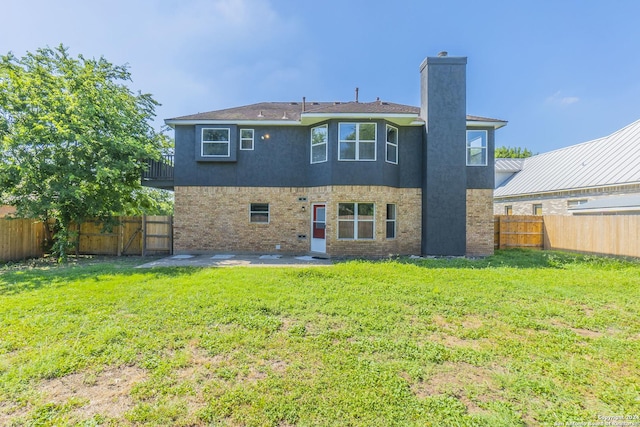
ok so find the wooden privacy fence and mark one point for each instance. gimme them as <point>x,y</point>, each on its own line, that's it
<point>617,235</point>
<point>20,239</point>
<point>146,235</point>
<point>518,231</point>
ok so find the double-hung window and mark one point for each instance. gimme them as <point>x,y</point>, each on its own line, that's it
<point>215,142</point>
<point>476,148</point>
<point>392,145</point>
<point>246,139</point>
<point>356,221</point>
<point>357,141</point>
<point>319,144</point>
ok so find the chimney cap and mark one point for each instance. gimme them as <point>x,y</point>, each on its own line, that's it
<point>443,53</point>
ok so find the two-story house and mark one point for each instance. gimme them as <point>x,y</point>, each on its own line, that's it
<point>339,178</point>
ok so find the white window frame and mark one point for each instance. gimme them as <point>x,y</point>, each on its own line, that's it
<point>357,141</point>
<point>253,211</point>
<point>227,142</point>
<point>356,220</point>
<point>325,143</point>
<point>243,139</point>
<point>483,148</point>
<point>391,144</point>
<point>393,221</point>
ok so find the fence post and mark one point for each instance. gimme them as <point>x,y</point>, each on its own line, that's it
<point>144,235</point>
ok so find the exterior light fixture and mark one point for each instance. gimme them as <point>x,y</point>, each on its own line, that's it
<point>265,137</point>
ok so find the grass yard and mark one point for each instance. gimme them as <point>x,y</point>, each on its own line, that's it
<point>520,338</point>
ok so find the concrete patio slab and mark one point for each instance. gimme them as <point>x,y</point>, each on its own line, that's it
<point>236,260</point>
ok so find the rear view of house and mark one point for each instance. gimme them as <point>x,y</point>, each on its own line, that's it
<point>339,178</point>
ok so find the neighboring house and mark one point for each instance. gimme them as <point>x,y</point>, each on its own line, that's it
<point>339,178</point>
<point>599,177</point>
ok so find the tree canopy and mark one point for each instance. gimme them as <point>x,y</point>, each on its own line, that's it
<point>512,152</point>
<point>74,139</point>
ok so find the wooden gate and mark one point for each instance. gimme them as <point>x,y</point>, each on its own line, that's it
<point>146,235</point>
<point>518,231</point>
<point>157,234</point>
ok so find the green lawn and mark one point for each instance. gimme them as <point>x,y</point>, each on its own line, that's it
<point>520,338</point>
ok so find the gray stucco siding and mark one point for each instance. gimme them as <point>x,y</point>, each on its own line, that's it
<point>283,159</point>
<point>483,177</point>
<point>443,107</point>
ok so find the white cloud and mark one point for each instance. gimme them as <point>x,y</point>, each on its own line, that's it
<point>558,99</point>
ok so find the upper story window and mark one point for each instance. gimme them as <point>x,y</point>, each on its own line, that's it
<point>215,142</point>
<point>476,148</point>
<point>319,144</point>
<point>246,139</point>
<point>392,145</point>
<point>357,141</point>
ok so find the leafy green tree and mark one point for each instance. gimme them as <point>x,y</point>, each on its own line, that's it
<point>512,153</point>
<point>74,140</point>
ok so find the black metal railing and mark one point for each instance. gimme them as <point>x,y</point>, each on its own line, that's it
<point>159,169</point>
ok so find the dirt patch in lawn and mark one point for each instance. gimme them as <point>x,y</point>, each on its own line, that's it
<point>106,393</point>
<point>472,385</point>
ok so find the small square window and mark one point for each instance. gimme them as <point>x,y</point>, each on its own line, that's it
<point>259,213</point>
<point>246,139</point>
<point>537,209</point>
<point>508,210</point>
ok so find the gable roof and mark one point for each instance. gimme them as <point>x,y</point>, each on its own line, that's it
<point>612,160</point>
<point>310,112</point>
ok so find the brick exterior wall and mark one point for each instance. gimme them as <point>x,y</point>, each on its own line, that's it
<point>480,222</point>
<point>557,203</point>
<point>216,220</point>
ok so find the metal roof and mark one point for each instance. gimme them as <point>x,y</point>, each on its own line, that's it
<point>609,204</point>
<point>612,160</point>
<point>509,165</point>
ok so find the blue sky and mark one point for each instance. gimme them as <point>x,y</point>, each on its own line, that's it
<point>560,71</point>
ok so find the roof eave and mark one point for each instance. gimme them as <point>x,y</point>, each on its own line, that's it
<point>173,122</point>
<point>486,124</point>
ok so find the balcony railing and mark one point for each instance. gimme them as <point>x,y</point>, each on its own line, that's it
<point>159,173</point>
